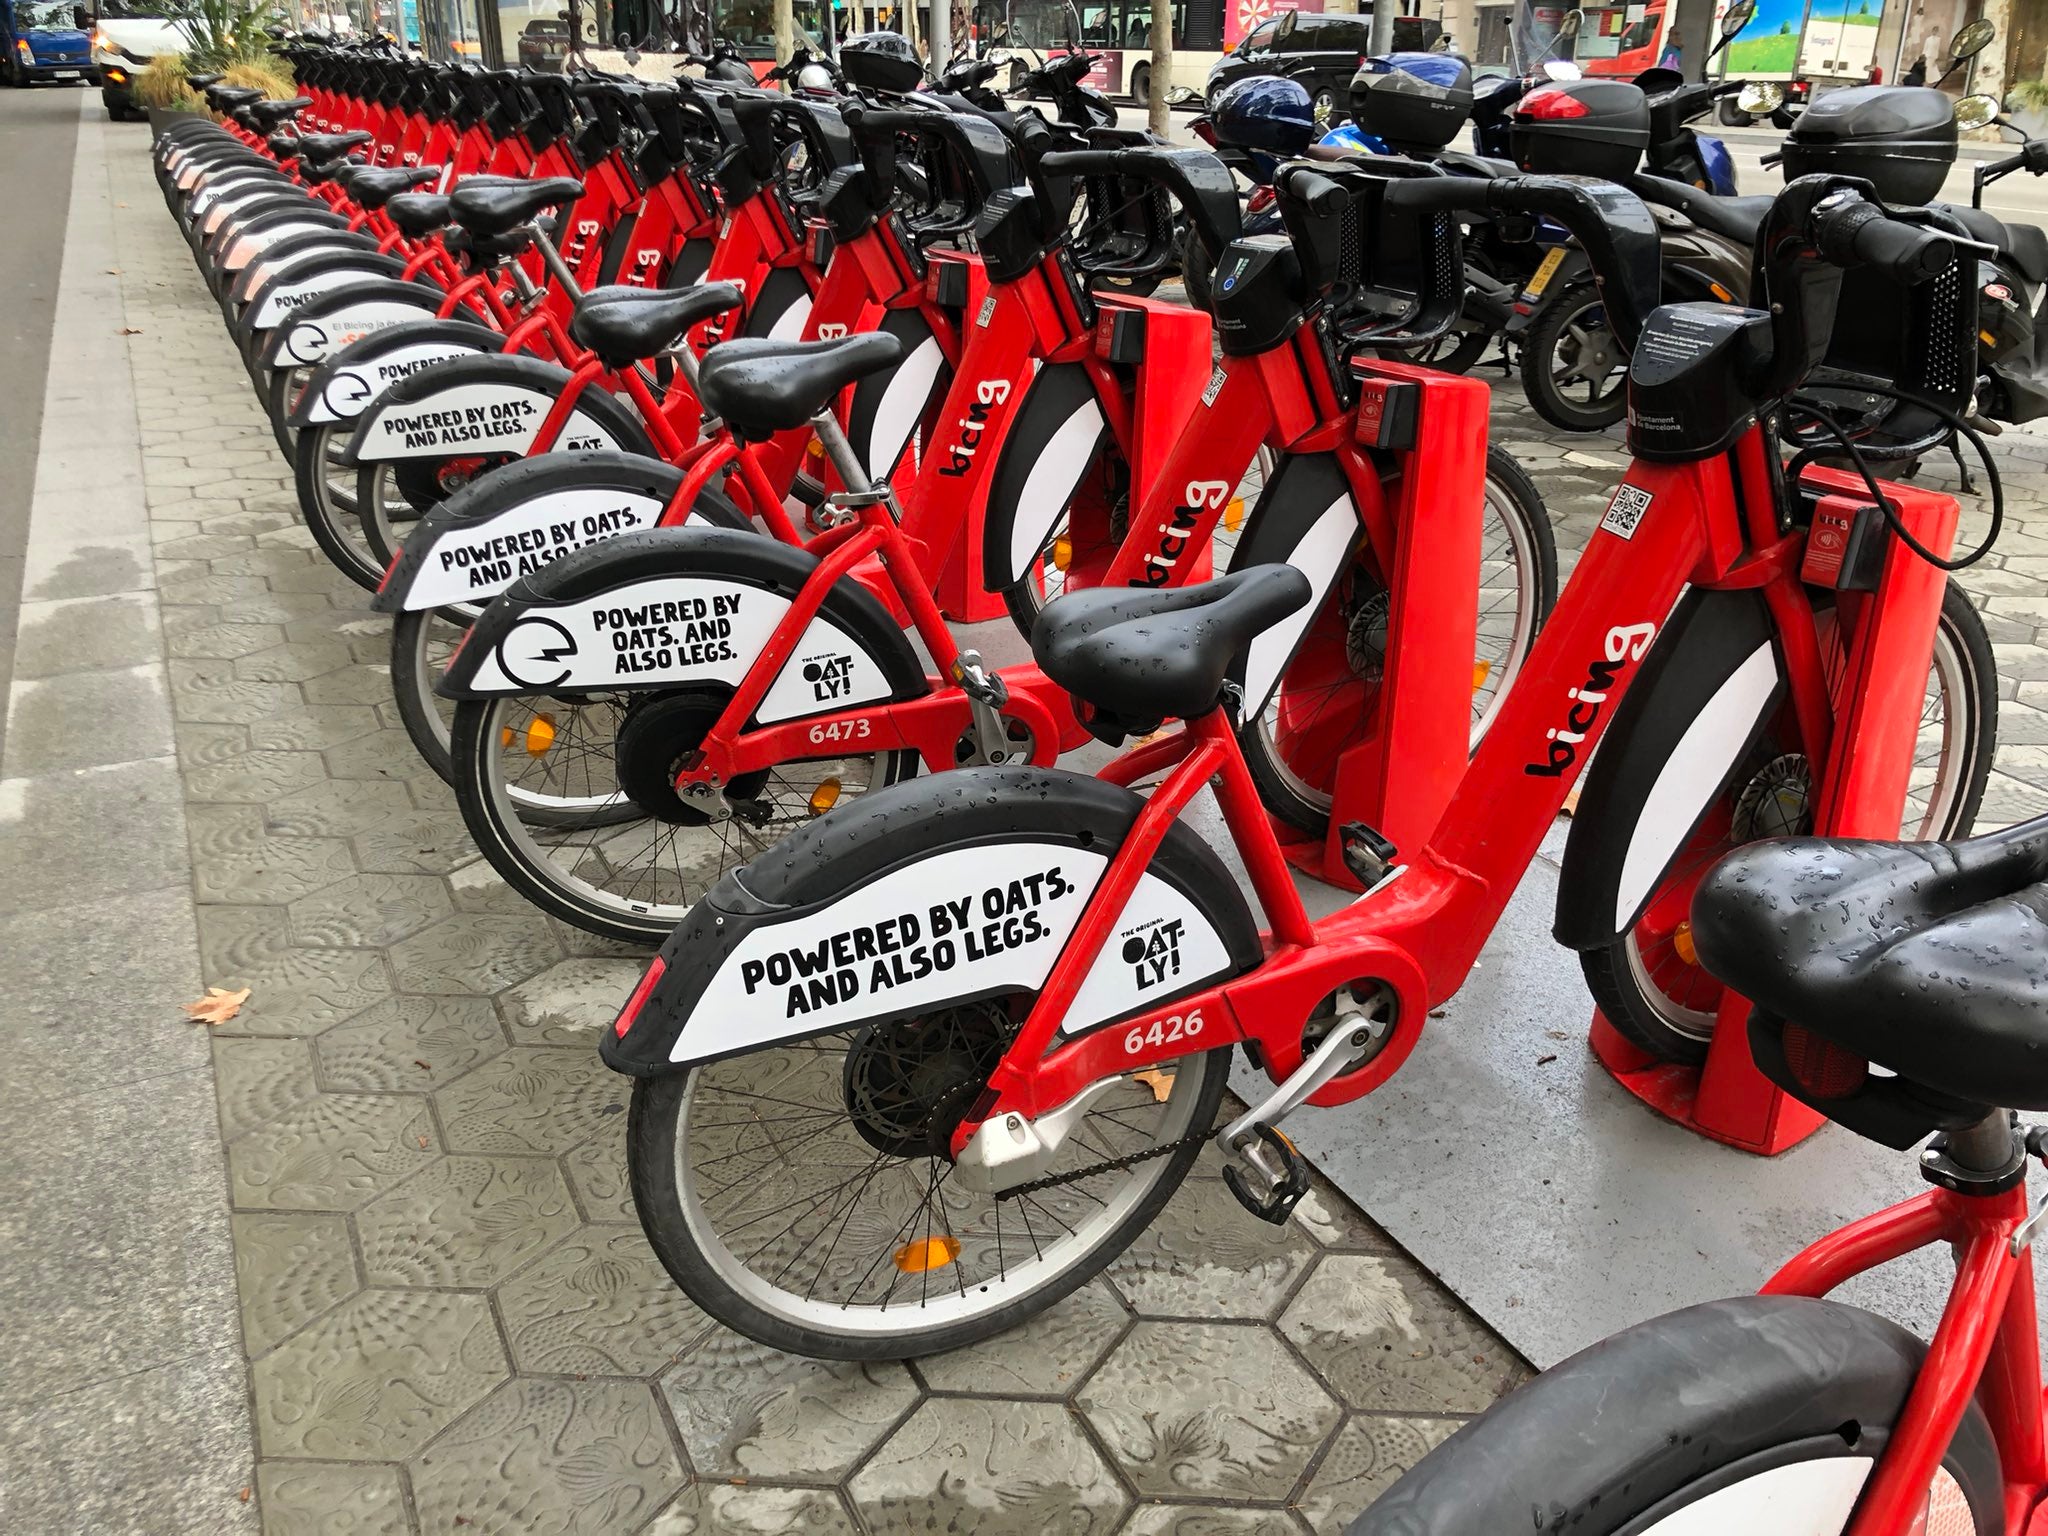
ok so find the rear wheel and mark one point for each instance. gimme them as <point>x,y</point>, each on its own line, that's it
<point>1648,983</point>
<point>1327,693</point>
<point>1574,370</point>
<point>327,499</point>
<point>422,640</point>
<point>1141,86</point>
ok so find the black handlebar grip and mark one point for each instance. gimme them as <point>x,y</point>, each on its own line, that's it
<point>1859,233</point>
<point>1318,194</point>
<point>1079,162</point>
<point>2016,162</point>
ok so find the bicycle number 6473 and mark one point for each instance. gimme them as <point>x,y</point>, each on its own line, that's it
<point>1164,1031</point>
<point>840,730</point>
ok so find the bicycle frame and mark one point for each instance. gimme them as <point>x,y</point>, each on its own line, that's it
<point>1986,1347</point>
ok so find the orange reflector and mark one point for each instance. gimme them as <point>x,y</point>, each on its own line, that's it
<point>927,1253</point>
<point>1481,671</point>
<point>1681,942</point>
<point>1062,552</point>
<point>540,735</point>
<point>814,451</point>
<point>505,737</point>
<point>1722,293</point>
<point>1988,339</point>
<point>824,797</point>
<point>1233,515</point>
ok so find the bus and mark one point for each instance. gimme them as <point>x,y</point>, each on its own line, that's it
<point>1121,32</point>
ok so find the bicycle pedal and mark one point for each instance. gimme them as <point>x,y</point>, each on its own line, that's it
<point>1284,1186</point>
<point>1368,854</point>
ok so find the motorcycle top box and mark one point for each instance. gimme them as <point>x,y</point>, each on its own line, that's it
<point>1899,138</point>
<point>1582,128</point>
<point>1415,102</point>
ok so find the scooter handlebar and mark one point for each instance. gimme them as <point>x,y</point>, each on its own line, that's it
<point>1317,193</point>
<point>1852,231</point>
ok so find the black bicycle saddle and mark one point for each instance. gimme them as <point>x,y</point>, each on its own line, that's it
<point>226,98</point>
<point>418,214</point>
<point>373,186</point>
<point>331,146</point>
<point>497,208</point>
<point>1145,657</point>
<point>201,82</point>
<point>1929,959</point>
<point>623,324</point>
<point>273,114</point>
<point>763,387</point>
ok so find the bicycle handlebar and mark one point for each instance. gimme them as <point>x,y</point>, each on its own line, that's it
<point>1850,231</point>
<point>1194,178</point>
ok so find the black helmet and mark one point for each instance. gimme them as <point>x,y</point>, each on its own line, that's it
<point>880,61</point>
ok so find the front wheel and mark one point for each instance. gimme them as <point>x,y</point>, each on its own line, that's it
<point>327,500</point>
<point>1788,1402</point>
<point>801,1195</point>
<point>1574,370</point>
<point>1141,86</point>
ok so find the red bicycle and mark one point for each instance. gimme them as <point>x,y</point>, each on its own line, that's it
<point>1802,1416</point>
<point>930,1062</point>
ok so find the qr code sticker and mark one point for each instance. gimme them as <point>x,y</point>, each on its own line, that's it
<point>1625,512</point>
<point>1215,387</point>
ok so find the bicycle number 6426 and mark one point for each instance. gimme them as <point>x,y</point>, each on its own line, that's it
<point>840,730</point>
<point>1164,1031</point>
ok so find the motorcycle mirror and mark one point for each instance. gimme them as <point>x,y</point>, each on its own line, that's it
<point>1974,112</point>
<point>1561,69</point>
<point>1971,40</point>
<point>1736,17</point>
<point>1573,20</point>
<point>1760,98</point>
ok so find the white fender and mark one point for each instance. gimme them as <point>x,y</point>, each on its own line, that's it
<point>476,417</point>
<point>902,403</point>
<point>309,342</point>
<point>352,388</point>
<point>481,559</point>
<point>248,247</point>
<point>1051,484</point>
<point>279,303</point>
<point>1320,557</point>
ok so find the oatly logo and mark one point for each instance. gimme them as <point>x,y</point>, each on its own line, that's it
<point>1199,497</point>
<point>1154,955</point>
<point>988,394</point>
<point>1625,644</point>
<point>830,677</point>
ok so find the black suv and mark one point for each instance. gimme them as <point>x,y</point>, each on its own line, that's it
<point>1322,51</point>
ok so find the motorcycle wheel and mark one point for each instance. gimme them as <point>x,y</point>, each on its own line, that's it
<point>1573,368</point>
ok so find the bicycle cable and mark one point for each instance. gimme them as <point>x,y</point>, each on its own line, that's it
<point>1808,406</point>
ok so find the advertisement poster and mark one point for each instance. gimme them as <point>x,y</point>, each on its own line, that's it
<point>1769,45</point>
<point>1841,37</point>
<point>1242,17</point>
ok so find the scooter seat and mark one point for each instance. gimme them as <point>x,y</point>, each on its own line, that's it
<point>495,209</point>
<point>331,146</point>
<point>1733,218</point>
<point>1458,163</point>
<point>418,214</point>
<point>763,387</point>
<point>374,186</point>
<point>2024,243</point>
<point>1929,959</point>
<point>1145,657</point>
<point>624,325</point>
<point>272,115</point>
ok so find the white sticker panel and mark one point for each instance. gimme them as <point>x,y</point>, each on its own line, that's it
<point>216,201</point>
<point>478,418</point>
<point>480,560</point>
<point>248,247</point>
<point>677,629</point>
<point>1320,557</point>
<point>1161,945</point>
<point>281,301</point>
<point>349,389</point>
<point>1051,482</point>
<point>311,341</point>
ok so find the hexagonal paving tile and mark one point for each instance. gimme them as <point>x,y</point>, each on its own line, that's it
<point>1366,1457</point>
<point>530,1100</point>
<point>1207,1256</point>
<point>360,684</point>
<point>408,1044</point>
<point>550,1456</point>
<point>336,807</point>
<point>234,860</point>
<point>293,990</point>
<point>366,911</point>
<point>969,1464</point>
<point>242,774</point>
<point>598,1304</point>
<point>210,691</point>
<point>1335,1222</point>
<point>1388,1339</point>
<point>1045,1357</point>
<point>567,1004</point>
<point>288,1270</point>
<point>755,1510</point>
<point>312,727</point>
<point>335,1152</point>
<point>1203,1410</point>
<point>379,755</point>
<point>416,842</point>
<point>744,1409</point>
<point>302,1498</point>
<point>475,952</point>
<point>375,1379</point>
<point>256,1080</point>
<point>292,662</point>
<point>597,1172</point>
<point>1208,1520</point>
<point>220,641</point>
<point>464,1221</point>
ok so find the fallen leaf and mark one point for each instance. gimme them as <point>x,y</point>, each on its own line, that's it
<point>423,1143</point>
<point>131,330</point>
<point>218,1006</point>
<point>1544,1061</point>
<point>113,271</point>
<point>421,1065</point>
<point>243,1495</point>
<point>1571,802</point>
<point>1161,1083</point>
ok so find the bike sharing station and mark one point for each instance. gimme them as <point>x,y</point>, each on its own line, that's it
<point>1350,883</point>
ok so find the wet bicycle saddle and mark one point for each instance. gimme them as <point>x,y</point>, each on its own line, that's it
<point>374,186</point>
<point>1144,657</point>
<point>1929,959</point>
<point>762,387</point>
<point>490,209</point>
<point>331,146</point>
<point>622,324</point>
<point>418,214</point>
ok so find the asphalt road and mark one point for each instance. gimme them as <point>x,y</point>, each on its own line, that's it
<point>38,134</point>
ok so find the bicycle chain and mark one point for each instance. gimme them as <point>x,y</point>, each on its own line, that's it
<point>1114,1165</point>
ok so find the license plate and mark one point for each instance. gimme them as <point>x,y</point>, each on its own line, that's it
<point>63,74</point>
<point>1544,272</point>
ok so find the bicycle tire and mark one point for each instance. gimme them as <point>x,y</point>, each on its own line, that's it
<point>1539,382</point>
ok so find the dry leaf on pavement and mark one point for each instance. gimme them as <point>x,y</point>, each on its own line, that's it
<point>1161,1083</point>
<point>218,1006</point>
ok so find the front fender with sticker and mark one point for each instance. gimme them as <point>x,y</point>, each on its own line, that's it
<point>928,893</point>
<point>1709,685</point>
<point>239,244</point>
<point>509,524</point>
<point>1306,518</point>
<point>279,259</point>
<point>683,607</point>
<point>343,386</point>
<point>339,317</point>
<point>492,404</point>
<point>303,278</point>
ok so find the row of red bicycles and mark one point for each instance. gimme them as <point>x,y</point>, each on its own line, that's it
<point>680,426</point>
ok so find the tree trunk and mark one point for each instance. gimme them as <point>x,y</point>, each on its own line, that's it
<point>1162,67</point>
<point>1383,14</point>
<point>942,34</point>
<point>785,31</point>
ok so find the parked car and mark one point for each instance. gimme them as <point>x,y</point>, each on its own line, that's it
<point>126,35</point>
<point>45,40</point>
<point>544,45</point>
<point>1321,51</point>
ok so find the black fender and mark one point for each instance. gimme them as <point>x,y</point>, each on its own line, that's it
<point>677,608</point>
<point>930,892</point>
<point>361,371</point>
<point>1052,438</point>
<point>1701,697</point>
<point>270,296</point>
<point>1307,518</point>
<point>333,318</point>
<point>515,520</point>
<point>1571,272</point>
<point>782,307</point>
<point>488,404</point>
<point>888,407</point>
<point>616,244</point>
<point>690,264</point>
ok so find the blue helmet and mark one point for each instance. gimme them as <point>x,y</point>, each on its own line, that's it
<point>1266,112</point>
